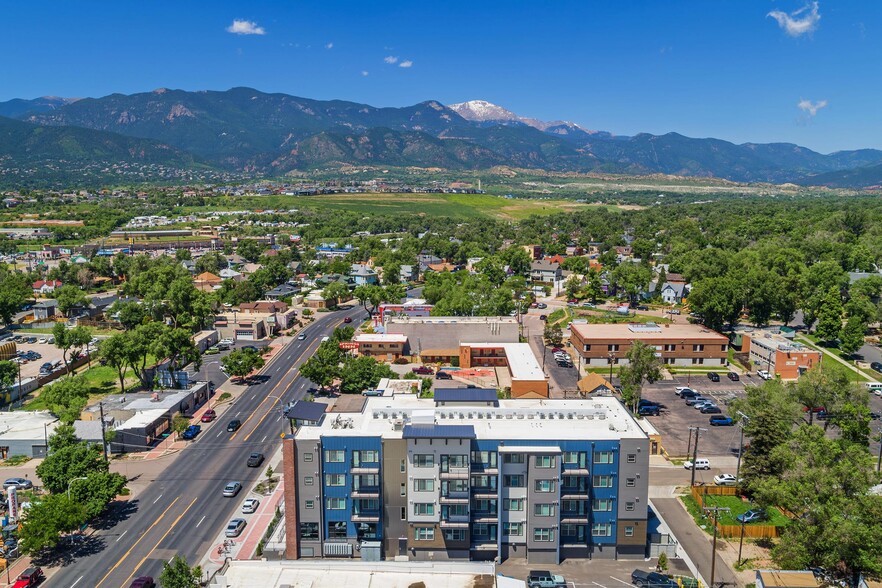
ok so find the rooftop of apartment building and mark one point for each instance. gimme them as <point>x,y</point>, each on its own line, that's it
<point>645,331</point>
<point>772,338</point>
<point>461,320</point>
<point>405,416</point>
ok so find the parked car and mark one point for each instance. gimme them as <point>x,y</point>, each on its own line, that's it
<point>541,306</point>
<point>733,376</point>
<point>645,579</point>
<point>19,483</point>
<point>725,480</point>
<point>700,464</point>
<point>250,506</point>
<point>654,410</point>
<point>232,488</point>
<point>642,307</point>
<point>255,459</point>
<point>675,311</point>
<point>233,425</point>
<point>347,320</point>
<point>764,374</point>
<point>713,376</point>
<point>208,416</point>
<point>877,366</point>
<point>222,346</point>
<point>710,409</point>
<point>213,350</point>
<point>690,400</point>
<point>542,317</point>
<point>721,421</point>
<point>441,375</point>
<point>191,432</point>
<point>43,340</point>
<point>143,582</point>
<point>371,392</point>
<point>30,577</point>
<point>685,392</point>
<point>752,516</point>
<point>235,527</point>
<point>423,370</point>
<point>545,579</point>
<point>588,305</point>
<point>556,349</point>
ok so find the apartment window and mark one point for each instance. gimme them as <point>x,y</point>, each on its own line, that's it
<point>403,465</point>
<point>632,458</point>
<point>335,456</point>
<point>543,510</point>
<point>602,481</point>
<point>454,461</point>
<point>484,482</point>
<point>454,510</point>
<point>601,530</point>
<point>513,458</point>
<point>484,532</point>
<point>485,458</point>
<point>698,347</point>
<point>310,504</point>
<point>448,486</point>
<point>629,531</point>
<point>724,348</point>
<point>570,532</point>
<point>574,485</point>
<point>360,457</point>
<point>307,481</point>
<point>574,507</point>
<point>403,513</point>
<point>545,485</point>
<point>670,360</point>
<point>602,505</point>
<point>424,533</point>
<point>307,457</point>
<point>545,461</point>
<point>670,347</point>
<point>513,480</point>
<point>364,505</point>
<point>423,509</point>
<point>335,480</point>
<point>574,458</point>
<point>454,534</point>
<point>586,347</point>
<point>336,503</point>
<point>513,504</point>
<point>612,347</point>
<point>629,506</point>
<point>423,460</point>
<point>697,361</point>
<point>601,457</point>
<point>513,529</point>
<point>309,530</point>
<point>630,482</point>
<point>424,485</point>
<point>543,534</point>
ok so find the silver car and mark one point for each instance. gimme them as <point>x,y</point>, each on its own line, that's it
<point>235,527</point>
<point>231,489</point>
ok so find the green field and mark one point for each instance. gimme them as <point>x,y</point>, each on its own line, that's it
<point>736,507</point>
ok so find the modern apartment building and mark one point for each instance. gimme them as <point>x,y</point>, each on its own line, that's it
<point>468,478</point>
<point>675,344</point>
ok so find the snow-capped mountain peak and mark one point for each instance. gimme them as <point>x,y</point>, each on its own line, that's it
<point>482,111</point>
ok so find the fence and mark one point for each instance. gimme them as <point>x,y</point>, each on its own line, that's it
<point>753,531</point>
<point>103,325</point>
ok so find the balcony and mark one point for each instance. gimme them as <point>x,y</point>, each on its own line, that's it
<point>365,469</point>
<point>366,492</point>
<point>485,517</point>
<point>576,472</point>
<point>455,474</point>
<point>367,516</point>
<point>483,492</point>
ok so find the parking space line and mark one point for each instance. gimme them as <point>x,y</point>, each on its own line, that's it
<point>622,581</point>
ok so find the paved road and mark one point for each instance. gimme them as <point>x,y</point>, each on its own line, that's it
<point>183,511</point>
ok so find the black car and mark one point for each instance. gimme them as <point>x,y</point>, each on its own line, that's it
<point>877,366</point>
<point>440,375</point>
<point>651,580</point>
<point>733,376</point>
<point>234,425</point>
<point>710,409</point>
<point>642,307</point>
<point>650,410</point>
<point>713,376</point>
<point>255,459</point>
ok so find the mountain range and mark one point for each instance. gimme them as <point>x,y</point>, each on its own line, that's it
<point>244,130</point>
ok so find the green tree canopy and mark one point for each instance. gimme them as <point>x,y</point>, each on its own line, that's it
<point>643,365</point>
<point>178,574</point>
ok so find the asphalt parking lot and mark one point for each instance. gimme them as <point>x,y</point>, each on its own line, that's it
<point>48,351</point>
<point>596,573</point>
<point>676,417</point>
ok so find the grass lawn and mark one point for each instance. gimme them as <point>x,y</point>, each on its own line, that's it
<point>859,376</point>
<point>736,507</point>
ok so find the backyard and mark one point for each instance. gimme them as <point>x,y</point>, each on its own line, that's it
<point>736,507</point>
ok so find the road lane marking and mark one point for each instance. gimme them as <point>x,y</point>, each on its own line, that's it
<point>278,418</point>
<point>161,539</point>
<point>264,439</point>
<point>77,582</point>
<point>121,536</point>
<point>200,520</point>
<point>144,534</point>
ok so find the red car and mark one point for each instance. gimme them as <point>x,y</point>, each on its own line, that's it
<point>209,416</point>
<point>143,582</point>
<point>424,370</point>
<point>556,349</point>
<point>29,577</point>
<point>348,319</point>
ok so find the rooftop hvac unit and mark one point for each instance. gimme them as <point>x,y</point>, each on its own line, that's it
<point>398,424</point>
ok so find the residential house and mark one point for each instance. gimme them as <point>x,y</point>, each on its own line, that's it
<point>250,268</point>
<point>283,291</point>
<point>235,260</point>
<point>362,275</point>
<point>545,271</point>
<point>45,310</point>
<point>43,287</point>
<point>407,273</point>
<point>674,292</point>
<point>441,267</point>
<point>534,251</point>
<point>207,281</point>
<point>594,384</point>
<point>189,265</point>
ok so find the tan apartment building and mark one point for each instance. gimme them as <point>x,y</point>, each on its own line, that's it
<point>678,345</point>
<point>381,346</point>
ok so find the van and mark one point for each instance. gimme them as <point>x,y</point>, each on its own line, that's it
<point>873,386</point>
<point>324,339</point>
<point>700,464</point>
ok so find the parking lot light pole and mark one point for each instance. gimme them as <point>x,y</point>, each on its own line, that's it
<point>744,417</point>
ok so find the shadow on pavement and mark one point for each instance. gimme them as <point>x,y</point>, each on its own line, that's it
<point>71,549</point>
<point>118,512</point>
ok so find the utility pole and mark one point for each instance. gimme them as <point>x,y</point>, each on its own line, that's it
<point>716,510</point>
<point>698,431</point>
<point>744,417</point>
<point>740,543</point>
<point>103,433</point>
<point>879,461</point>
<point>689,443</point>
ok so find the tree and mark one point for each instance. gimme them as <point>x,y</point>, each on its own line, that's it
<point>70,458</point>
<point>69,297</point>
<point>140,348</point>
<point>8,373</point>
<point>66,398</point>
<point>553,334</point>
<point>394,293</point>
<point>15,291</point>
<point>718,301</point>
<point>324,366</point>
<point>43,523</point>
<point>643,365</point>
<point>242,362</point>
<point>177,346</point>
<point>851,337</point>
<point>178,574</point>
<point>250,249</point>
<point>572,286</point>
<point>97,491</point>
<point>363,373</point>
<point>594,289</point>
<point>130,314</point>
<point>829,316</point>
<point>633,278</point>
<point>369,294</point>
<point>115,350</point>
<point>335,291</point>
<point>68,339</point>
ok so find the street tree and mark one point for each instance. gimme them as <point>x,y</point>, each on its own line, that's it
<point>363,373</point>
<point>70,458</point>
<point>176,345</point>
<point>69,297</point>
<point>553,334</point>
<point>68,339</point>
<point>851,337</point>
<point>643,366</point>
<point>43,524</point>
<point>369,294</point>
<point>115,351</point>
<point>242,362</point>
<point>336,291</point>
<point>177,573</point>
<point>129,313</point>
<point>324,366</point>
<point>8,373</point>
<point>140,348</point>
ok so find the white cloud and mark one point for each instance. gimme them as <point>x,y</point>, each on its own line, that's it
<point>390,59</point>
<point>245,27</point>
<point>811,108</point>
<point>365,73</point>
<point>329,46</point>
<point>406,63</point>
<point>802,21</point>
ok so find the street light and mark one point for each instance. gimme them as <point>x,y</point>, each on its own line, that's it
<point>71,482</point>
<point>611,357</point>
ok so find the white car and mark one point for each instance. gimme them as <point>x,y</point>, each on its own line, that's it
<point>700,464</point>
<point>301,337</point>
<point>250,506</point>
<point>725,480</point>
<point>42,340</point>
<point>764,375</point>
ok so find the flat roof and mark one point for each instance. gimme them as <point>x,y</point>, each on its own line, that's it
<point>142,419</point>
<point>601,418</point>
<point>27,425</point>
<point>788,579</point>
<point>306,411</point>
<point>379,338</point>
<point>631,331</point>
<point>465,395</point>
<point>439,432</point>
<point>522,363</point>
<point>452,320</point>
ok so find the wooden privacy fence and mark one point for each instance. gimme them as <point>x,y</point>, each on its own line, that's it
<point>753,531</point>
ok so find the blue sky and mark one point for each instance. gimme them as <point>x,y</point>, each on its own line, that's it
<point>732,69</point>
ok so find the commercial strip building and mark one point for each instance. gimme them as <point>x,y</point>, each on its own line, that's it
<point>775,352</point>
<point>675,344</point>
<point>26,433</point>
<point>527,378</point>
<point>468,477</point>
<point>440,336</point>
